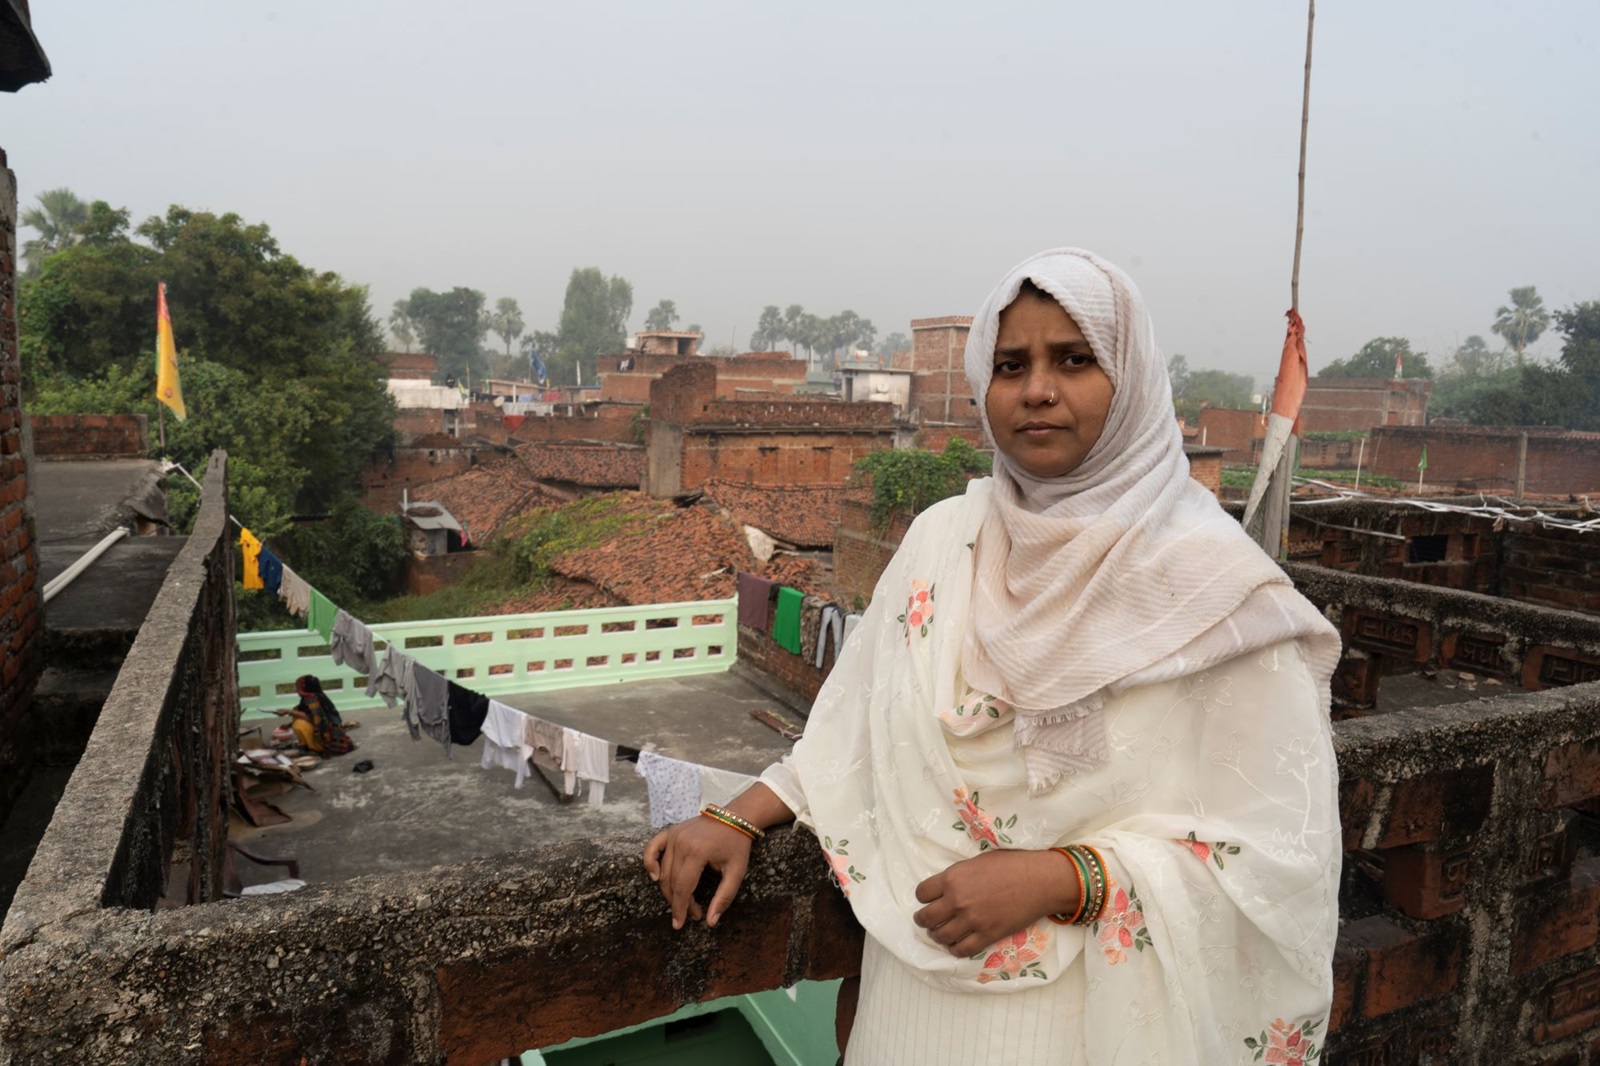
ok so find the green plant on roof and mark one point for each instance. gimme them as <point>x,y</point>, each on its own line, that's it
<point>907,481</point>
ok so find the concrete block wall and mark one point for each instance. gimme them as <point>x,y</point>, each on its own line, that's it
<point>90,436</point>
<point>20,603</point>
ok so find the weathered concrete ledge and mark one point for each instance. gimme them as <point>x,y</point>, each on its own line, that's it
<point>156,766</point>
<point>461,963</point>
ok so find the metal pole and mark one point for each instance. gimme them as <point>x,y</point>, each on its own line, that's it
<point>1361,453</point>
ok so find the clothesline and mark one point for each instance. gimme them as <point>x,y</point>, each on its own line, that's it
<point>453,714</point>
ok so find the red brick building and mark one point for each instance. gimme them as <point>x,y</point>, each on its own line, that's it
<point>1344,404</point>
<point>1234,431</point>
<point>695,436</point>
<point>626,378</point>
<point>940,393</point>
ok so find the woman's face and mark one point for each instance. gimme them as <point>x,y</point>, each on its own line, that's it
<point>1049,397</point>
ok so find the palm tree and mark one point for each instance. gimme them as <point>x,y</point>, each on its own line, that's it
<point>1522,322</point>
<point>56,220</point>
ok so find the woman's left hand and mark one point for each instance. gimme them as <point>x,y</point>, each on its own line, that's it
<point>980,901</point>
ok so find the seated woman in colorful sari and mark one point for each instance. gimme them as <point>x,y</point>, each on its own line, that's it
<point>1074,767</point>
<point>316,721</point>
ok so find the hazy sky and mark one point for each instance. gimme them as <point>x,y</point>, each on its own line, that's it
<point>891,158</point>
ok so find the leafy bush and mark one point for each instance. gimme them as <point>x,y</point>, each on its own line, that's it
<point>907,481</point>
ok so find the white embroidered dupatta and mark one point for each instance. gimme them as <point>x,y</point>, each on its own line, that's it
<point>1216,810</point>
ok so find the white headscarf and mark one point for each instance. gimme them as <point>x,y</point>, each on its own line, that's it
<point>1124,571</point>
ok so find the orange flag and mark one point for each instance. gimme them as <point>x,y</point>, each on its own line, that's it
<point>168,389</point>
<point>1289,392</point>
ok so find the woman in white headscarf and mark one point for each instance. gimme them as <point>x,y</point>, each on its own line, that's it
<point>1082,652</point>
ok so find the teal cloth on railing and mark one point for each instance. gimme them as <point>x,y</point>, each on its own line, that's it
<point>321,615</point>
<point>786,621</point>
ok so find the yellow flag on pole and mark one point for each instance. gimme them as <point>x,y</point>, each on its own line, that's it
<point>168,389</point>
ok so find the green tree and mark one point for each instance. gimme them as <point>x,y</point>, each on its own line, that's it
<point>1472,371</point>
<point>1195,390</point>
<point>894,342</point>
<point>594,319</point>
<point>1376,360</point>
<point>1523,321</point>
<point>56,218</point>
<point>505,321</point>
<point>401,327</point>
<point>451,325</point>
<point>278,362</point>
<point>662,315</point>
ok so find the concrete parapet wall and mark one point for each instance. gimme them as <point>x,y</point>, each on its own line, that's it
<point>155,771</point>
<point>463,963</point>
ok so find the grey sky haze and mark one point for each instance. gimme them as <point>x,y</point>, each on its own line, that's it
<point>894,159</point>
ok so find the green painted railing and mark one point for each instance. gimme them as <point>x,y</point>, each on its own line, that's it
<point>505,653</point>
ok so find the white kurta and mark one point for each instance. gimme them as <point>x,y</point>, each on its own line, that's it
<point>1217,814</point>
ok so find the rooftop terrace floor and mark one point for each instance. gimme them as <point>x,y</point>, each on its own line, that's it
<point>416,808</point>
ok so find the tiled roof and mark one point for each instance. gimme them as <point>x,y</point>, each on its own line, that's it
<point>679,554</point>
<point>803,515</point>
<point>605,466</point>
<point>483,498</point>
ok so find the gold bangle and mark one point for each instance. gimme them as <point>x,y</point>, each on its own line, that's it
<point>727,817</point>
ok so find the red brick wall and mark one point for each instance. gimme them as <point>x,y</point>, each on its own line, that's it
<point>415,366</point>
<point>808,413</point>
<point>1230,430</point>
<point>1548,567</point>
<point>19,568</point>
<point>1340,404</point>
<point>934,438</point>
<point>387,474</point>
<point>816,457</point>
<point>610,422</point>
<point>90,436</point>
<point>682,393</point>
<point>1486,459</point>
<point>1207,469</point>
<point>861,553</point>
<point>939,388</point>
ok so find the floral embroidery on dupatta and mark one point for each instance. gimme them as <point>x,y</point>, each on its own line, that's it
<point>974,714</point>
<point>987,830</point>
<point>844,872</point>
<point>1212,851</point>
<point>918,612</point>
<point>1018,955</point>
<point>1284,1044</point>
<point>1122,925</point>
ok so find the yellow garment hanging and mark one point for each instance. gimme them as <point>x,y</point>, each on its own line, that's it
<point>252,554</point>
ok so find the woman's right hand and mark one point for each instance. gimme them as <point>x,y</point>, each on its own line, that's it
<point>677,856</point>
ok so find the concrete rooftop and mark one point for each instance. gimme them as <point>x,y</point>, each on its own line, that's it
<point>416,808</point>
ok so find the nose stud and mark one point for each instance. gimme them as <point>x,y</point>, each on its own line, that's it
<point>1052,398</point>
